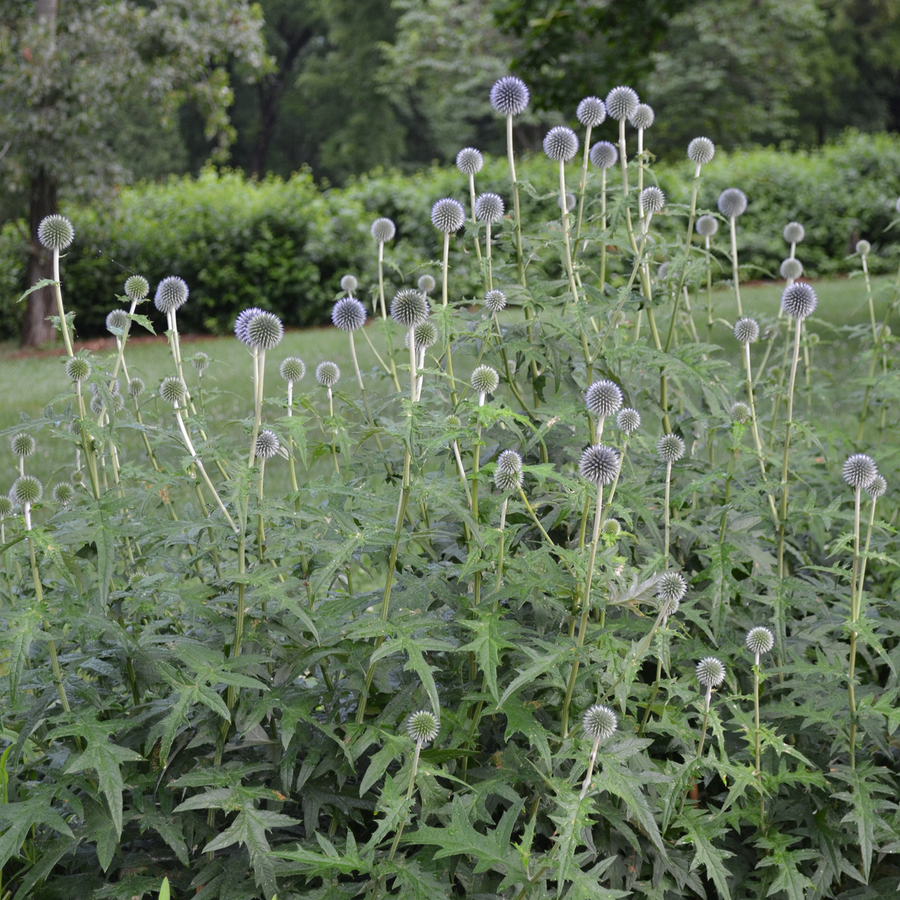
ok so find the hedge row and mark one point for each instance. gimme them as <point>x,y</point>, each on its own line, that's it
<point>284,245</point>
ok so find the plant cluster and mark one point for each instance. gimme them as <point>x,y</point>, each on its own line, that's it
<point>559,597</point>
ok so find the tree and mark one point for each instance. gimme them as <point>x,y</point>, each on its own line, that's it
<point>68,73</point>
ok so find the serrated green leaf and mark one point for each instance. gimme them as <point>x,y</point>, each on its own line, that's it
<point>702,831</point>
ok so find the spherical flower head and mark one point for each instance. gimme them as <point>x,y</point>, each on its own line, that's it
<point>859,470</point>
<point>707,226</point>
<point>863,248</point>
<point>328,373</point>
<point>599,723</point>
<point>200,361</point>
<point>628,420</point>
<point>509,96</point>
<point>732,203</point>
<point>740,413</point>
<point>799,300</point>
<point>611,528</point>
<point>96,404</point>
<point>426,283</point>
<point>469,161</point>
<point>264,331</point>
<point>670,590</point>
<point>26,489</point>
<point>267,444</point>
<point>63,493</point>
<point>760,640</point>
<point>78,369</point>
<point>485,380</point>
<point>117,321</point>
<point>137,287</point>
<point>136,387</point>
<point>570,202</point>
<point>409,307</point>
<point>791,269</point>
<point>560,143</point>
<point>670,448</point>
<point>242,322</point>
<point>652,200</point>
<point>643,116</point>
<point>349,283</point>
<point>508,475</point>
<point>603,398</point>
<point>877,487</point>
<point>383,230</point>
<point>489,208</point>
<point>621,103</point>
<point>171,294</point>
<point>453,421</point>
<point>292,369</point>
<point>426,334</point>
<point>599,464</point>
<point>794,232</point>
<point>591,112</point>
<point>56,232</point>
<point>710,672</point>
<point>447,215</point>
<point>348,314</point>
<point>422,726</point>
<point>604,155</point>
<point>173,390</point>
<point>701,150</point>
<point>6,506</point>
<point>746,331</point>
<point>22,445</point>
<point>495,300</point>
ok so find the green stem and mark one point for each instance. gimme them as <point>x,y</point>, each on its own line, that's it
<point>782,519</point>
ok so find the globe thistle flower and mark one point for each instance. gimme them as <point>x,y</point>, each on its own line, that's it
<point>794,232</point>
<point>652,200</point>
<point>171,294</point>
<point>55,232</point>
<point>662,273</point>
<point>746,331</point>
<point>422,726</point>
<point>599,723</point>
<point>791,269</point>
<point>701,150</point>
<point>877,487</point>
<point>447,215</point>
<point>26,489</point>
<point>136,387</point>
<point>740,413</point>
<point>863,247</point>
<point>22,445</point>
<point>707,226</point>
<point>570,202</point>
<point>469,161</point>
<point>599,464</point>
<point>604,155</point>
<point>489,208</point>
<point>670,448</point>
<point>710,672</point>
<point>799,300</point>
<point>670,590</point>
<point>328,374</point>
<point>628,420</point>
<point>642,117</point>
<point>611,528</point>
<point>383,230</point>
<point>348,314</point>
<point>264,331</point>
<point>509,96</point>
<point>267,444</point>
<point>6,506</point>
<point>759,640</point>
<point>292,369</point>
<point>560,143</point>
<point>63,493</point>
<point>495,301</point>
<point>425,335</point>
<point>508,475</point>
<point>485,380</point>
<point>242,322</point>
<point>117,321</point>
<point>621,103</point>
<point>426,284</point>
<point>859,470</point>
<point>732,203</point>
<point>137,287</point>
<point>173,390</point>
<point>349,283</point>
<point>409,307</point>
<point>200,361</point>
<point>78,369</point>
<point>603,398</point>
<point>591,112</point>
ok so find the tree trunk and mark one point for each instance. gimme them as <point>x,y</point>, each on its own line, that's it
<point>36,330</point>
